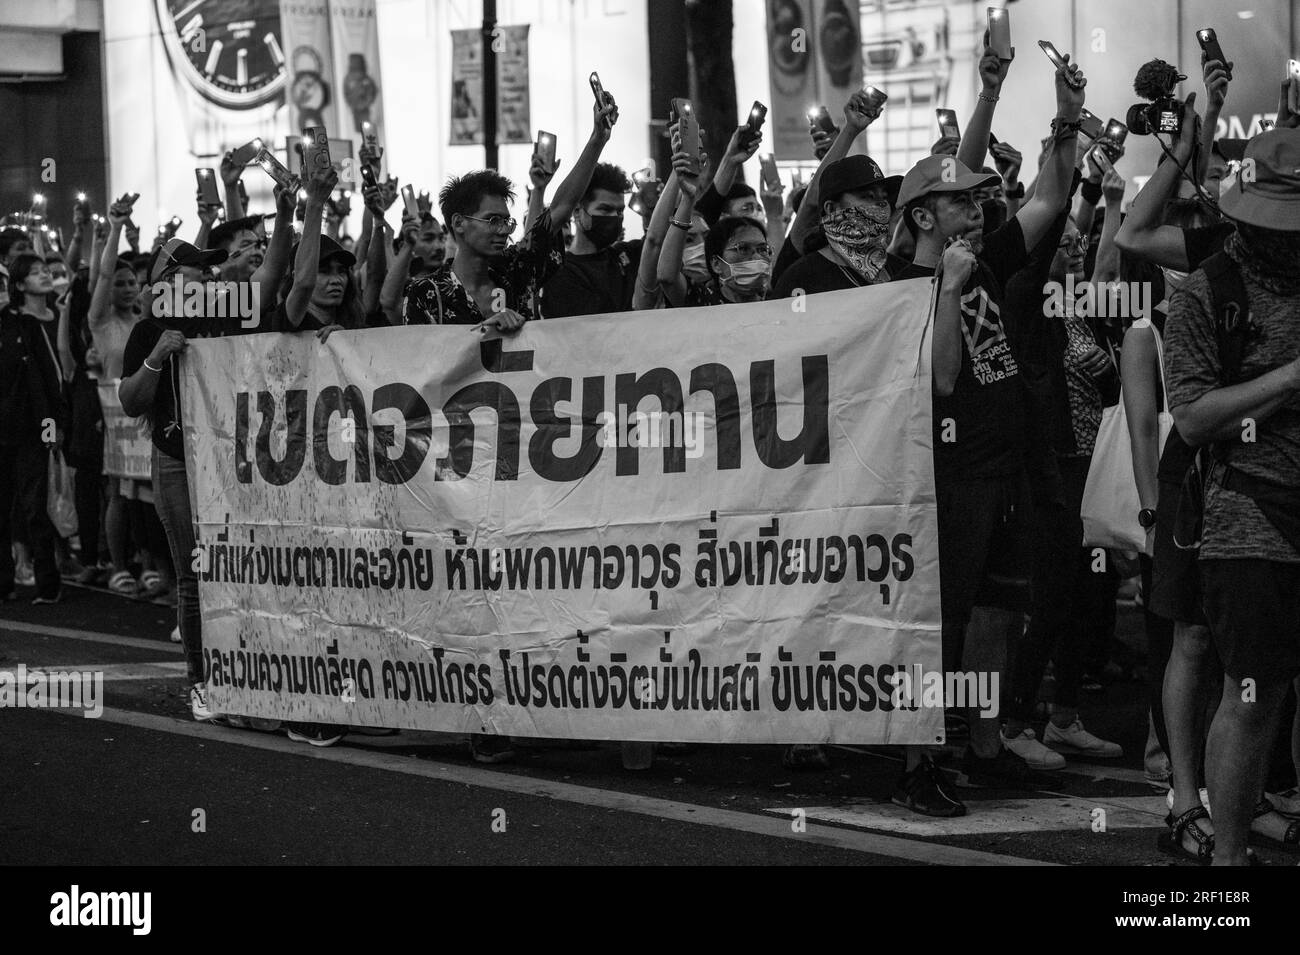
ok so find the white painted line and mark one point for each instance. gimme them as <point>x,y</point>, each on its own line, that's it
<point>999,816</point>
<point>111,671</point>
<point>852,840</point>
<point>87,636</point>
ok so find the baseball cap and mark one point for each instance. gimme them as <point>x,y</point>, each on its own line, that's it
<point>330,249</point>
<point>1270,196</point>
<point>853,173</point>
<point>942,174</point>
<point>177,252</point>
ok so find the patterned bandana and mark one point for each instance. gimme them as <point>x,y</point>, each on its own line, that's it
<point>859,236</point>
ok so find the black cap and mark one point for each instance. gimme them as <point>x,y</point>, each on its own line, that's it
<point>329,249</point>
<point>853,173</point>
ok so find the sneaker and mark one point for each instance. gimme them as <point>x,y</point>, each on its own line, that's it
<point>47,600</point>
<point>24,574</point>
<point>924,790</point>
<point>486,748</point>
<point>176,634</point>
<point>1074,738</point>
<point>806,756</point>
<point>315,734</point>
<point>1003,771</point>
<point>199,708</point>
<point>1035,754</point>
<point>253,723</point>
<point>71,569</point>
<point>1287,803</point>
<point>1203,794</point>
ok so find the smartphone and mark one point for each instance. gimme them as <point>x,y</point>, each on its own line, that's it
<point>1210,44</point>
<point>602,98</point>
<point>1102,160</point>
<point>247,152</point>
<point>820,116</point>
<point>993,141</point>
<point>369,135</point>
<point>408,200</point>
<point>757,114</point>
<point>1116,131</point>
<point>689,131</point>
<point>1091,127</point>
<point>368,175</point>
<point>277,170</point>
<point>770,173</point>
<point>1265,124</point>
<point>876,96</point>
<point>1057,60</point>
<point>1000,32</point>
<point>207,180</point>
<point>315,149</point>
<point>948,123</point>
<point>545,148</point>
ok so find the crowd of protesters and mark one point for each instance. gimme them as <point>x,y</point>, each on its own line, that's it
<point>1210,385</point>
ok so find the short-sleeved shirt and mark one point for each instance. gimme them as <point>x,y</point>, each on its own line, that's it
<point>594,284</point>
<point>1235,528</point>
<point>166,413</point>
<point>441,299</point>
<point>815,273</point>
<point>110,337</point>
<point>980,429</point>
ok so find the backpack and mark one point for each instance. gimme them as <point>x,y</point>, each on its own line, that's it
<point>1278,503</point>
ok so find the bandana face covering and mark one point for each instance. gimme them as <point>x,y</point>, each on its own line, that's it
<point>995,215</point>
<point>1268,258</point>
<point>859,235</point>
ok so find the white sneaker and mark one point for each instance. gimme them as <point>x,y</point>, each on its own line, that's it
<point>1074,738</point>
<point>176,635</point>
<point>199,708</point>
<point>1035,754</point>
<point>1204,795</point>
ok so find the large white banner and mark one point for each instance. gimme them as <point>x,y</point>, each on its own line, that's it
<point>693,524</point>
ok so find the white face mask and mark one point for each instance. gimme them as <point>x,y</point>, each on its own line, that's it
<point>693,265</point>
<point>748,276</point>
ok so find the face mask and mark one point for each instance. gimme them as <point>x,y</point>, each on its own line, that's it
<point>604,230</point>
<point>747,276</point>
<point>693,265</point>
<point>995,215</point>
<point>859,235</point>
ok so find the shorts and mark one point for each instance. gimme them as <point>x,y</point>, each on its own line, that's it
<point>134,490</point>
<point>1175,573</point>
<point>1253,608</point>
<point>984,549</point>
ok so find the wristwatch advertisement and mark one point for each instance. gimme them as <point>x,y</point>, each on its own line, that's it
<point>230,74</point>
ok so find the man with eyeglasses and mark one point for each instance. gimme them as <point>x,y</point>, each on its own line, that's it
<point>491,281</point>
<point>250,257</point>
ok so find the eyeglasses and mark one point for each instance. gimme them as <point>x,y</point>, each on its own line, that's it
<point>1078,243</point>
<point>498,224</point>
<point>749,250</point>
<point>249,246</point>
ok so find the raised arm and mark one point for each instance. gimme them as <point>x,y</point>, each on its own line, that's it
<point>669,271</point>
<point>541,178</point>
<point>858,115</point>
<point>1053,184</point>
<point>80,222</point>
<point>1142,233</point>
<point>320,185</point>
<point>276,261</point>
<point>230,176</point>
<point>1106,265</point>
<point>647,291</point>
<point>570,191</point>
<point>974,145</point>
<point>118,213</point>
<point>390,297</point>
<point>1216,91</point>
<point>376,249</point>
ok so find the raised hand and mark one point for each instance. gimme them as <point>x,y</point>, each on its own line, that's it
<point>230,173</point>
<point>1007,159</point>
<point>121,208</point>
<point>859,112</point>
<point>1112,187</point>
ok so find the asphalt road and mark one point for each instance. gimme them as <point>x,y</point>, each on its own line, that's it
<point>143,784</point>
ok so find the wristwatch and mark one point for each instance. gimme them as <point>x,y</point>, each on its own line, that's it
<point>229,74</point>
<point>1147,518</point>
<point>309,94</point>
<point>359,90</point>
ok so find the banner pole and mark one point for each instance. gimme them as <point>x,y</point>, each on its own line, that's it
<point>489,85</point>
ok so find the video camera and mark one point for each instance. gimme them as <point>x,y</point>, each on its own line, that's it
<point>1155,81</point>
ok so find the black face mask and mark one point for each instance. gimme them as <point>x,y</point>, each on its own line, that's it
<point>995,215</point>
<point>604,230</point>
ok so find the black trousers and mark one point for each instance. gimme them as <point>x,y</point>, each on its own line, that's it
<point>23,487</point>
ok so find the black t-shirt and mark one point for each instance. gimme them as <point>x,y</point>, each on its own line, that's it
<point>165,413</point>
<point>594,284</point>
<point>31,379</point>
<point>979,429</point>
<point>1205,242</point>
<point>816,273</point>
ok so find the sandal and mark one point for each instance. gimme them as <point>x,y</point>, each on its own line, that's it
<point>1290,840</point>
<point>123,583</point>
<point>152,583</point>
<point>1288,803</point>
<point>1171,843</point>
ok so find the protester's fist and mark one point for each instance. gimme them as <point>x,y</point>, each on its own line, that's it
<point>1215,74</point>
<point>1007,160</point>
<point>1070,82</point>
<point>945,146</point>
<point>1112,187</point>
<point>120,210</point>
<point>169,344</point>
<point>507,320</point>
<point>958,263</point>
<point>859,113</point>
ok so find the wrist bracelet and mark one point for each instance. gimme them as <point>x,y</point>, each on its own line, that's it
<point>1017,193</point>
<point>156,371</point>
<point>680,225</point>
<point>987,98</point>
<point>1062,129</point>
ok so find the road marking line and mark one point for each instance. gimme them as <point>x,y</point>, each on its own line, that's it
<point>163,670</point>
<point>111,639</point>
<point>850,839</point>
<point>999,816</point>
